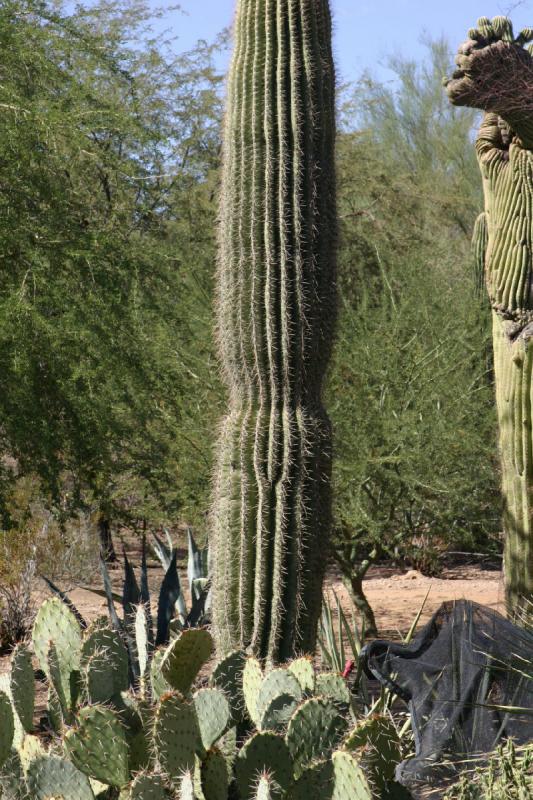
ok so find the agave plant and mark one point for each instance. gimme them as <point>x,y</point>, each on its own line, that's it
<point>172,613</point>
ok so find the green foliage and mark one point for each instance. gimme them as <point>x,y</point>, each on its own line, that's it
<point>410,401</point>
<point>108,146</point>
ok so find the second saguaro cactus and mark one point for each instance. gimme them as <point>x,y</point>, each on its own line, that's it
<point>276,315</point>
<point>495,74</point>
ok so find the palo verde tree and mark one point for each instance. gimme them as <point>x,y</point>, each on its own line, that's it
<point>495,74</point>
<point>108,146</point>
<point>276,313</point>
<point>408,395</point>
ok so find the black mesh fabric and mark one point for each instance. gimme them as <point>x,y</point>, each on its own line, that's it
<point>456,675</point>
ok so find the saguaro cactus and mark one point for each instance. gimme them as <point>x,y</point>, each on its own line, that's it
<point>276,313</point>
<point>496,75</point>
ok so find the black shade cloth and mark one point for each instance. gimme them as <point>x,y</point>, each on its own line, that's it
<point>461,666</point>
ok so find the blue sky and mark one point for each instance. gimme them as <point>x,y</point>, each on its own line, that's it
<point>366,31</point>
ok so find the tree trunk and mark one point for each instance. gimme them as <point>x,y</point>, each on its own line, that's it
<point>107,548</point>
<point>354,584</point>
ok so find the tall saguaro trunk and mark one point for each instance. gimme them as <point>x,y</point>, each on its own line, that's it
<point>276,314</point>
<point>496,75</point>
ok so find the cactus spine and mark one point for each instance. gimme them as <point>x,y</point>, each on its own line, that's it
<point>276,310</point>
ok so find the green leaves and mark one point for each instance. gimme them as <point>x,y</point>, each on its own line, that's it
<point>106,148</point>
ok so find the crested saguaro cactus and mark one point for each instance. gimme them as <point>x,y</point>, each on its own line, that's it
<point>276,312</point>
<point>495,74</point>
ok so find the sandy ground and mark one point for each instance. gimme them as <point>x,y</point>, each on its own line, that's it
<point>397,597</point>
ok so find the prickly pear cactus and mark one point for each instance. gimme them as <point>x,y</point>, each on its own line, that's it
<point>214,776</point>
<point>265,753</point>
<point>495,74</point>
<point>185,657</point>
<point>313,732</point>
<point>349,780</point>
<point>191,746</point>
<point>147,787</point>
<point>55,623</point>
<point>104,663</point>
<point>22,686</point>
<point>213,715</point>
<point>271,512</point>
<point>375,744</point>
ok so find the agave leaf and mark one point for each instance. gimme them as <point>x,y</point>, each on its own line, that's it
<point>162,552</point>
<point>168,597</point>
<point>131,596</point>
<point>195,569</point>
<point>145,595</point>
<point>117,624</point>
<point>66,600</point>
<point>198,609</point>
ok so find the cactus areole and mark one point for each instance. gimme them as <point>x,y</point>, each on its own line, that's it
<point>276,314</point>
<point>495,74</point>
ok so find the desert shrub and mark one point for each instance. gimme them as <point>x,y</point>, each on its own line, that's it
<point>410,396</point>
<point>17,609</point>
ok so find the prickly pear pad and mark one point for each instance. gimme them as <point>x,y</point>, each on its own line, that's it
<point>252,680</point>
<point>49,777</point>
<point>377,747</point>
<point>316,781</point>
<point>7,727</point>
<point>263,753</point>
<point>148,787</point>
<point>334,687</point>
<point>56,623</point>
<point>105,661</point>
<point>277,683</point>
<point>213,714</point>
<point>23,686</point>
<point>176,735</point>
<point>98,745</point>
<point>185,657</point>
<point>227,675</point>
<point>214,776</point>
<point>314,730</point>
<point>303,670</point>
<point>349,781</point>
